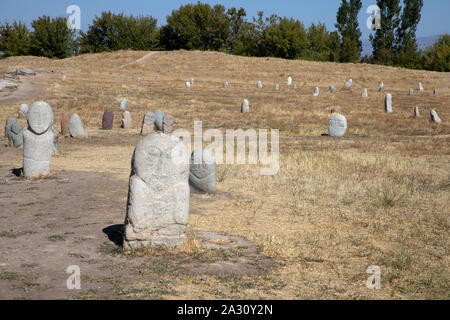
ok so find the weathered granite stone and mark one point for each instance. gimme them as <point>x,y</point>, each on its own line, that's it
<point>126,120</point>
<point>388,103</point>
<point>23,111</point>
<point>289,81</point>
<point>316,92</point>
<point>76,128</point>
<point>15,134</point>
<point>416,112</point>
<point>381,87</point>
<point>63,78</point>
<point>55,139</point>
<point>435,92</point>
<point>108,119</point>
<point>420,86</point>
<point>159,119</point>
<point>337,126</point>
<point>192,81</point>
<point>434,117</point>
<point>277,87</point>
<point>148,124</point>
<point>295,86</point>
<point>245,107</point>
<point>65,123</point>
<point>332,89</point>
<point>202,174</point>
<point>8,124</point>
<point>225,85</point>
<point>38,140</point>
<point>364,93</point>
<point>123,105</point>
<point>348,84</point>
<point>168,124</point>
<point>122,78</point>
<point>259,85</point>
<point>158,196</point>
<point>188,84</point>
<point>411,92</point>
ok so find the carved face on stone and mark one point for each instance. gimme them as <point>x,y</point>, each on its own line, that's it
<point>40,117</point>
<point>149,118</point>
<point>204,165</point>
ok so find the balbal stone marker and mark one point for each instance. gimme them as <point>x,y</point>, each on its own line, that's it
<point>388,103</point>
<point>420,86</point>
<point>434,117</point>
<point>332,89</point>
<point>159,119</point>
<point>14,132</point>
<point>168,124</point>
<point>158,195</point>
<point>76,128</point>
<point>381,87</point>
<point>416,112</point>
<point>123,105</point>
<point>348,84</point>
<point>65,123</point>
<point>245,107</point>
<point>108,119</point>
<point>289,81</point>
<point>259,85</point>
<point>126,120</point>
<point>203,171</point>
<point>337,126</point>
<point>148,124</point>
<point>411,92</point>
<point>316,92</point>
<point>364,93</point>
<point>38,140</point>
<point>23,111</point>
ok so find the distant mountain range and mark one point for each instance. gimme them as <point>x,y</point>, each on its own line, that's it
<point>423,43</point>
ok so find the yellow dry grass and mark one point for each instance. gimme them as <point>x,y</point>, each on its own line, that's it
<point>379,196</point>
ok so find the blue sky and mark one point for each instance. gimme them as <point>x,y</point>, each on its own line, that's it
<point>435,13</point>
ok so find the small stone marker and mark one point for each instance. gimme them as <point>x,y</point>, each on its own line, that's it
<point>348,84</point>
<point>332,89</point>
<point>277,87</point>
<point>122,78</point>
<point>295,86</point>
<point>23,111</point>
<point>188,84</point>
<point>123,105</point>
<point>316,92</point>
<point>65,123</point>
<point>225,85</point>
<point>364,93</point>
<point>388,103</point>
<point>139,82</point>
<point>411,92</point>
<point>259,85</point>
<point>126,120</point>
<point>289,81</point>
<point>420,86</point>
<point>63,78</point>
<point>435,92</point>
<point>159,119</point>
<point>107,120</point>
<point>158,195</point>
<point>148,124</point>
<point>202,173</point>
<point>168,124</point>
<point>416,112</point>
<point>381,87</point>
<point>192,81</point>
<point>245,107</point>
<point>14,132</point>
<point>337,126</point>
<point>76,128</point>
<point>434,117</point>
<point>38,140</point>
<point>157,77</point>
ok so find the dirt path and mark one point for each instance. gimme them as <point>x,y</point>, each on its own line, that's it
<point>29,87</point>
<point>148,55</point>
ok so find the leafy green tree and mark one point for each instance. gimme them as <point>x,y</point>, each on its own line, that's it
<point>437,57</point>
<point>238,27</point>
<point>384,40</point>
<point>348,27</point>
<point>111,32</point>
<point>318,43</point>
<point>52,38</point>
<point>335,47</point>
<point>15,39</point>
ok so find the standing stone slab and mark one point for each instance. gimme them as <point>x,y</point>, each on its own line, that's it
<point>126,120</point>
<point>107,120</point>
<point>76,128</point>
<point>65,119</point>
<point>188,84</point>
<point>348,84</point>
<point>420,86</point>
<point>148,124</point>
<point>168,124</point>
<point>381,87</point>
<point>364,93</point>
<point>8,124</point>
<point>158,195</point>
<point>289,81</point>
<point>416,112</point>
<point>245,106</point>
<point>139,80</point>
<point>225,85</point>
<point>259,85</point>
<point>38,140</point>
<point>411,92</point>
<point>332,89</point>
<point>202,172</point>
<point>14,133</point>
<point>159,119</point>
<point>123,105</point>
<point>63,78</point>
<point>388,103</point>
<point>23,111</point>
<point>316,92</point>
<point>434,117</point>
<point>435,92</point>
<point>337,126</point>
<point>277,87</point>
<point>192,81</point>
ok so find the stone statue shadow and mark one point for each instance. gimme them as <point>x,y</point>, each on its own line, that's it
<point>115,234</point>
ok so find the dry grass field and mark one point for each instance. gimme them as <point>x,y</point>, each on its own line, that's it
<point>378,196</point>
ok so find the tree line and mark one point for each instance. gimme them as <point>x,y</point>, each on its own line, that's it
<point>204,27</point>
